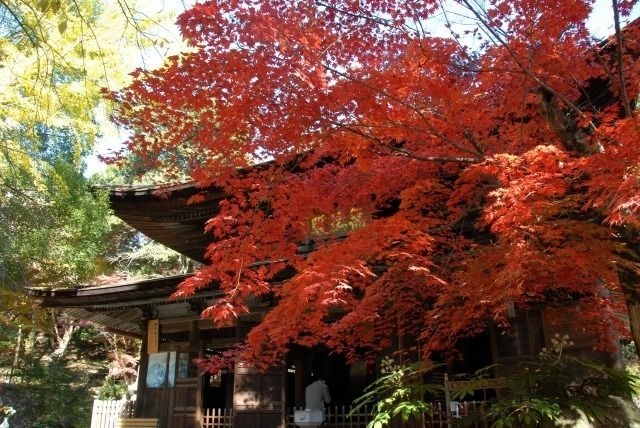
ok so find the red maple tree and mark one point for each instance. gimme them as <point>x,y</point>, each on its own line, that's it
<point>414,181</point>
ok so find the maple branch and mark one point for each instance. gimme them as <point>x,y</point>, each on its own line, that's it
<point>419,29</point>
<point>377,20</point>
<point>455,37</point>
<point>413,155</point>
<point>623,87</point>
<point>484,69</point>
<point>403,103</point>
<point>542,84</point>
<point>408,153</point>
<point>492,34</point>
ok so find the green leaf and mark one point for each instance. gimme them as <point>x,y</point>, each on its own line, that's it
<point>62,26</point>
<point>43,5</point>
<point>55,6</point>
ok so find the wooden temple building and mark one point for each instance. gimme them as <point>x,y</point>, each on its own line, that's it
<point>170,386</point>
<point>173,335</point>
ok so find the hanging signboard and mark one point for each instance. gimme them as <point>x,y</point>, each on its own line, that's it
<point>153,336</point>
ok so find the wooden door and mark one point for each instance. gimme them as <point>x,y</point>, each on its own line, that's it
<point>185,404</point>
<point>258,398</point>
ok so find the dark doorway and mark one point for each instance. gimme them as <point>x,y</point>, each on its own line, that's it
<point>303,363</point>
<point>217,391</point>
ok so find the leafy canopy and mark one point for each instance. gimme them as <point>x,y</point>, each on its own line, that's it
<point>484,169</point>
<point>55,56</point>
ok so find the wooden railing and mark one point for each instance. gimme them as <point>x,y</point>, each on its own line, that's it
<point>217,418</point>
<point>105,413</point>
<point>339,417</point>
<point>440,418</point>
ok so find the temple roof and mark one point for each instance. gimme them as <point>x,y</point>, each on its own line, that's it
<point>121,308</point>
<point>165,214</point>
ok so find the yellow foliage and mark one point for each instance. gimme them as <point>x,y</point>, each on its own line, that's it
<point>55,63</point>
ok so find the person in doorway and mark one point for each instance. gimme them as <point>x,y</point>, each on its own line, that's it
<point>317,394</point>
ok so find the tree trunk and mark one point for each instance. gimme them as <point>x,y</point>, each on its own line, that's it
<point>634,323</point>
<point>16,356</point>
<point>63,341</point>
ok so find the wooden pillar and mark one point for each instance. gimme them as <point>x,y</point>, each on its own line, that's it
<point>194,336</point>
<point>300,381</point>
<point>142,372</point>
<point>196,350</point>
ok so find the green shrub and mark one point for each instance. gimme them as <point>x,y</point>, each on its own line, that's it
<point>112,389</point>
<point>556,387</point>
<point>398,393</point>
<point>545,391</point>
<point>62,395</point>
